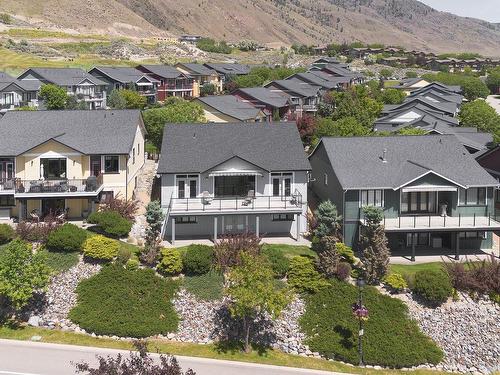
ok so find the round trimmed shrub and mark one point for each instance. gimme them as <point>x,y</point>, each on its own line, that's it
<point>434,286</point>
<point>396,281</point>
<point>198,259</point>
<point>303,277</point>
<point>123,256</point>
<point>66,238</point>
<point>279,262</point>
<point>125,303</point>
<point>100,247</point>
<point>171,262</point>
<point>132,264</point>
<point>7,233</point>
<point>111,223</point>
<point>343,271</point>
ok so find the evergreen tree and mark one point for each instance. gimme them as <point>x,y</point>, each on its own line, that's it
<point>328,220</point>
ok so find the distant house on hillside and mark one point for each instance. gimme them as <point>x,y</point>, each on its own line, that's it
<point>228,108</point>
<point>190,39</point>
<point>303,96</point>
<point>228,70</point>
<point>172,81</point>
<point>410,84</point>
<point>201,75</point>
<point>275,105</point>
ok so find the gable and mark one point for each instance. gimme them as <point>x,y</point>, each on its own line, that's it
<point>235,164</point>
<point>51,148</point>
<point>431,178</point>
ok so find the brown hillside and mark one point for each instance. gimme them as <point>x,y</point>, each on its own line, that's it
<point>408,23</point>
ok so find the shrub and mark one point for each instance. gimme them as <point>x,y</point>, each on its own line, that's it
<point>328,258</point>
<point>132,264</point>
<point>197,260</point>
<point>391,338</point>
<point>126,208</point>
<point>303,277</point>
<point>7,233</point>
<point>123,256</point>
<point>475,277</point>
<point>434,286</point>
<point>66,238</point>
<point>111,223</point>
<point>279,262</point>
<point>228,249</point>
<point>35,232</point>
<point>171,261</point>
<point>343,271</point>
<point>100,247</point>
<point>396,281</point>
<point>125,303</point>
<point>345,252</point>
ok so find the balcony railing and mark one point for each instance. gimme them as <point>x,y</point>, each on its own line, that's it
<point>435,222</point>
<point>7,184</point>
<point>63,186</point>
<point>221,204</point>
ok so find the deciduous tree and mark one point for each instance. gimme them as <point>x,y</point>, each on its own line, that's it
<point>53,96</point>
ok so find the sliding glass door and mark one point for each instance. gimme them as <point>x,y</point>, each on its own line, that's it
<point>233,186</point>
<point>418,202</point>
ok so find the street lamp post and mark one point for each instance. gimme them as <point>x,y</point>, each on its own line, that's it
<point>361,313</point>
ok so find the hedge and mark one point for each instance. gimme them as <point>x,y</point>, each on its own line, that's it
<point>7,233</point>
<point>198,259</point>
<point>111,223</point>
<point>100,247</point>
<point>391,337</point>
<point>171,262</point>
<point>125,303</point>
<point>66,238</point>
<point>433,286</point>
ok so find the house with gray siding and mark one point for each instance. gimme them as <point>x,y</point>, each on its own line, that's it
<point>229,178</point>
<point>434,195</point>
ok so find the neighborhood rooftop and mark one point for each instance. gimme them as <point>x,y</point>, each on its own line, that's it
<point>61,76</point>
<point>123,74</point>
<point>231,106</point>
<point>195,148</point>
<point>391,162</point>
<point>89,132</point>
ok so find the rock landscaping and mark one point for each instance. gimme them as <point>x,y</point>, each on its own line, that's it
<point>466,330</point>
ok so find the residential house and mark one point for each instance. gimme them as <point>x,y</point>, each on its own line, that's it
<point>319,78</point>
<point>201,76</point>
<point>229,70</point>
<point>394,61</point>
<point>228,108</point>
<point>410,84</point>
<point>490,161</point>
<point>78,83</point>
<point>190,39</point>
<point>435,197</point>
<point>56,161</point>
<point>275,105</point>
<point>439,87</point>
<point>445,107</point>
<point>16,94</point>
<point>172,81</point>
<point>325,60</point>
<point>126,78</point>
<point>438,96</point>
<point>337,70</point>
<point>304,97</point>
<point>220,179</point>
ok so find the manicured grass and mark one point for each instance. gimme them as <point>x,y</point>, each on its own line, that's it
<point>60,261</point>
<point>291,250</point>
<point>411,269</point>
<point>270,357</point>
<point>206,287</point>
<point>391,338</point>
<point>390,83</point>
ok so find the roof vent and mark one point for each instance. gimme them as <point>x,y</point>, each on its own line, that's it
<point>384,154</point>
<point>194,135</point>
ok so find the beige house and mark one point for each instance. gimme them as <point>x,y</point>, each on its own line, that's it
<point>67,161</point>
<point>201,76</point>
<point>229,108</point>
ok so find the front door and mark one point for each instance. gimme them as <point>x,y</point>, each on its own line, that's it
<point>53,206</point>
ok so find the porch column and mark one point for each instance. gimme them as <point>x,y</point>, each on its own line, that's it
<point>297,216</point>
<point>413,241</point>
<point>215,228</point>
<point>173,231</point>
<point>246,223</point>
<point>457,247</point>
<point>223,230</point>
<point>257,225</point>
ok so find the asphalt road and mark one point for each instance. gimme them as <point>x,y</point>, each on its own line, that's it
<point>34,358</point>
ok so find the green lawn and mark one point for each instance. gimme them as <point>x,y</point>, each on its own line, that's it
<point>60,261</point>
<point>390,83</point>
<point>413,268</point>
<point>206,287</point>
<point>292,250</point>
<point>270,357</point>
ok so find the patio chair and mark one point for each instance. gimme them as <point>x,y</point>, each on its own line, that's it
<point>206,198</point>
<point>249,198</point>
<point>91,183</point>
<point>35,215</point>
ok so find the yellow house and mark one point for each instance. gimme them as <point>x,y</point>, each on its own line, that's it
<point>229,108</point>
<point>67,161</point>
<point>201,76</point>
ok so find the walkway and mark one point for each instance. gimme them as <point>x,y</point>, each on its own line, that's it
<point>269,240</point>
<point>494,102</point>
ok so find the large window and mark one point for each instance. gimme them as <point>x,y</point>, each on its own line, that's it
<point>283,217</point>
<point>372,198</point>
<point>234,186</point>
<point>418,202</point>
<point>53,168</point>
<point>7,201</point>
<point>472,197</point>
<point>111,164</point>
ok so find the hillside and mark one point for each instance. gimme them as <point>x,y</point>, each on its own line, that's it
<point>408,23</point>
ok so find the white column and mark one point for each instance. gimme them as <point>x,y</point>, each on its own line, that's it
<point>173,231</point>
<point>257,225</point>
<point>223,229</point>
<point>246,223</point>
<point>215,228</point>
<point>297,217</point>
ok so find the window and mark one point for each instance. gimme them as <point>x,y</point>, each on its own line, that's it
<point>138,149</point>
<point>326,179</point>
<point>472,235</point>
<point>7,201</point>
<point>422,239</point>
<point>283,217</point>
<point>372,198</point>
<point>418,201</point>
<point>106,196</point>
<point>186,220</point>
<point>133,155</point>
<point>53,168</point>
<point>472,197</point>
<point>111,164</point>
<point>234,186</point>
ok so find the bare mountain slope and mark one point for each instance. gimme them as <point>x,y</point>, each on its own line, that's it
<point>399,22</point>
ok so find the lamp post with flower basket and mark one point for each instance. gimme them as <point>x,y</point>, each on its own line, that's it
<point>360,312</point>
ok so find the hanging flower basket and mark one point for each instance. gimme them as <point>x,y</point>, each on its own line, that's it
<point>360,312</point>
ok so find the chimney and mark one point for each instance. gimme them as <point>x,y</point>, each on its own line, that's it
<point>384,154</point>
<point>194,135</point>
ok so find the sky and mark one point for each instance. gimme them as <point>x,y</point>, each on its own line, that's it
<point>488,10</point>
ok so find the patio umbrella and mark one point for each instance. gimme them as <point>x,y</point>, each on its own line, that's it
<point>41,171</point>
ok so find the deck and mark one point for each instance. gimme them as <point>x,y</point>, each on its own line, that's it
<point>431,223</point>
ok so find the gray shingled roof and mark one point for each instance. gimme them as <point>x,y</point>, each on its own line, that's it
<point>4,77</point>
<point>442,87</point>
<point>266,96</point>
<point>229,68</point>
<point>124,74</point>
<point>30,85</point>
<point>164,71</point>
<point>357,161</point>
<point>63,76</point>
<point>195,148</point>
<point>297,87</point>
<point>314,79</point>
<point>444,107</point>
<point>89,132</point>
<point>437,95</point>
<point>198,69</point>
<point>231,106</point>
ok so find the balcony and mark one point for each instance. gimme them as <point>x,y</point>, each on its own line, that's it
<point>7,186</point>
<point>90,186</point>
<point>430,223</point>
<point>256,204</point>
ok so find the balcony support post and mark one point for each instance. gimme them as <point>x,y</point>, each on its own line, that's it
<point>297,217</point>
<point>257,225</point>
<point>413,240</point>
<point>173,231</point>
<point>222,225</point>
<point>457,247</point>
<point>215,228</point>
